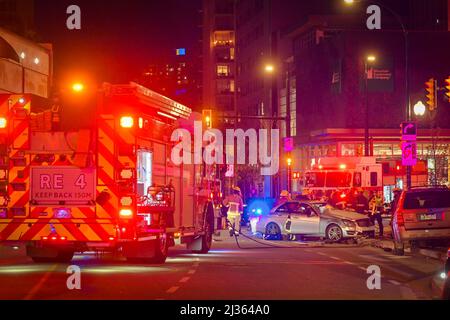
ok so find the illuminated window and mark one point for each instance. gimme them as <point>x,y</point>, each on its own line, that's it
<point>223,70</point>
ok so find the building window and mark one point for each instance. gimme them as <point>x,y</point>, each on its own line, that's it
<point>223,70</point>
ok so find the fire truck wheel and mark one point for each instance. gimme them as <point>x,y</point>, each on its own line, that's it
<point>161,250</point>
<point>209,229</point>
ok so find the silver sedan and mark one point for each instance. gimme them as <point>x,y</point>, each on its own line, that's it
<point>313,219</point>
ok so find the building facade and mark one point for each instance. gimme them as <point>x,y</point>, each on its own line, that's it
<point>330,67</point>
<point>219,60</point>
<point>176,76</point>
<point>18,16</point>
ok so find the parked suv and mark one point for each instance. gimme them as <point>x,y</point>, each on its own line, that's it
<point>421,215</point>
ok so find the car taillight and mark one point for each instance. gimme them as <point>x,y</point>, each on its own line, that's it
<point>400,219</point>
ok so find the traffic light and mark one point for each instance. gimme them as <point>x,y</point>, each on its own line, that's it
<point>447,89</point>
<point>207,118</point>
<point>431,88</point>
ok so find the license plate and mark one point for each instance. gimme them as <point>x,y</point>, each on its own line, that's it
<point>428,217</point>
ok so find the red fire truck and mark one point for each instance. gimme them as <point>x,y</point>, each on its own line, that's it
<point>107,186</point>
<point>345,174</point>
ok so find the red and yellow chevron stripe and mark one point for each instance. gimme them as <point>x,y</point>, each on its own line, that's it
<point>110,161</point>
<point>92,230</point>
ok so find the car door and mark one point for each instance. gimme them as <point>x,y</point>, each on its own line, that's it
<point>306,220</point>
<point>281,214</point>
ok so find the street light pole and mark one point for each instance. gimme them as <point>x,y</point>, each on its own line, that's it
<point>407,83</point>
<point>408,112</point>
<point>366,125</point>
<point>366,111</point>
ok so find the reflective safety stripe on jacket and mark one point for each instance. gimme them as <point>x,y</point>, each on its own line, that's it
<point>234,208</point>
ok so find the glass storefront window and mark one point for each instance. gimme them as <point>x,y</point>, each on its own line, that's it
<point>383,150</point>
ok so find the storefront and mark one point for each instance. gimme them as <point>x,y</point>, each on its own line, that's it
<point>433,153</point>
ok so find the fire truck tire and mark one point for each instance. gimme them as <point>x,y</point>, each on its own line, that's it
<point>160,250</point>
<point>206,239</point>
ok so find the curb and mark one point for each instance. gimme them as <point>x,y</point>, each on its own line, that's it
<point>433,254</point>
<point>437,255</point>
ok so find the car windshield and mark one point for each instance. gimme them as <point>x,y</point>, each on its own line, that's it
<point>427,200</point>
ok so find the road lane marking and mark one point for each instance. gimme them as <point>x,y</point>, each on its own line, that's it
<point>191,271</point>
<point>185,279</point>
<point>350,263</point>
<point>335,258</point>
<point>41,282</point>
<point>173,290</point>
<point>407,293</point>
<point>395,282</point>
<point>362,268</point>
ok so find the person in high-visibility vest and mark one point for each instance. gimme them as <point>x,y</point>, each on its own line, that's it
<point>376,204</point>
<point>235,207</point>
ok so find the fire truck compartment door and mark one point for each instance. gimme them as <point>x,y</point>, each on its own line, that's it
<point>62,186</point>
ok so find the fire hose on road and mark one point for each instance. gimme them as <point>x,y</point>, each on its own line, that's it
<point>267,245</point>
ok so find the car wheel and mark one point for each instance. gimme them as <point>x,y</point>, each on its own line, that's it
<point>273,232</point>
<point>334,233</point>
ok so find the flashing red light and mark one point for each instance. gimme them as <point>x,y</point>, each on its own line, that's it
<point>343,195</point>
<point>320,167</point>
<point>111,238</point>
<point>63,238</point>
<point>398,168</point>
<point>44,238</point>
<point>3,122</point>
<point>54,238</point>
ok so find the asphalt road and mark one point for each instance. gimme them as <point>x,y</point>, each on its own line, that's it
<point>294,271</point>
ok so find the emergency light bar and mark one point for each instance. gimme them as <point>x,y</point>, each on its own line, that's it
<point>164,104</point>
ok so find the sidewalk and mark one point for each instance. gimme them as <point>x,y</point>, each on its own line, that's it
<point>388,245</point>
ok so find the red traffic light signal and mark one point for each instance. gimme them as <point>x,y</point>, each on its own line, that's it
<point>431,88</point>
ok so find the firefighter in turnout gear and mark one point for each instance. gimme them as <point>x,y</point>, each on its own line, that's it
<point>235,207</point>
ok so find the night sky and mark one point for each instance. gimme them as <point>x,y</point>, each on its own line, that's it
<point>118,38</point>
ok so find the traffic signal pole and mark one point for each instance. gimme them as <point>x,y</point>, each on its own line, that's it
<point>408,100</point>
